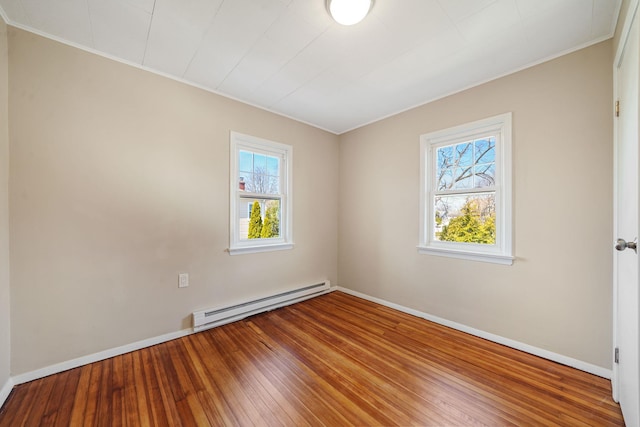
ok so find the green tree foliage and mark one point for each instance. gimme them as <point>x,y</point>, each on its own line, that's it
<point>271,225</point>
<point>470,227</point>
<point>489,229</point>
<point>438,219</point>
<point>255,221</point>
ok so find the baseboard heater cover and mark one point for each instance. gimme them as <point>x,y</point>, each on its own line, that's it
<point>206,319</point>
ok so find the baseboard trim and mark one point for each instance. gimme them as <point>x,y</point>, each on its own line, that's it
<point>5,391</point>
<point>117,351</point>
<point>545,354</point>
<point>96,357</point>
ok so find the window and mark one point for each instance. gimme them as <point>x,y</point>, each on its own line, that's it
<point>260,195</point>
<point>465,191</point>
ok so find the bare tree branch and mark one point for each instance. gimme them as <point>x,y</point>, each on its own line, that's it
<point>261,182</point>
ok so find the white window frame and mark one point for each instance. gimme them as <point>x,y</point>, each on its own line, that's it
<point>502,251</point>
<point>239,141</point>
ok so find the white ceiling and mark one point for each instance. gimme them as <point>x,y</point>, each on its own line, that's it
<point>289,57</point>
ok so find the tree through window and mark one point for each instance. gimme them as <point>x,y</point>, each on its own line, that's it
<point>466,191</point>
<point>468,216</point>
<point>260,196</point>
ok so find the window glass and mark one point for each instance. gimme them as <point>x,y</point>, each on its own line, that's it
<point>467,218</point>
<point>465,209</point>
<point>260,196</point>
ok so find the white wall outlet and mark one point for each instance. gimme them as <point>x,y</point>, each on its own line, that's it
<point>183,280</point>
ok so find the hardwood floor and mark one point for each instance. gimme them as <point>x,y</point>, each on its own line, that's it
<point>334,360</point>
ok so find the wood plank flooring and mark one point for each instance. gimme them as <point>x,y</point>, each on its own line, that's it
<point>334,360</point>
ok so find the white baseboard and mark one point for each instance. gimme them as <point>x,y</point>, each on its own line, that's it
<point>102,355</point>
<point>545,354</point>
<point>96,357</point>
<point>5,390</point>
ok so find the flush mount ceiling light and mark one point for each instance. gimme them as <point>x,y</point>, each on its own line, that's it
<point>349,12</point>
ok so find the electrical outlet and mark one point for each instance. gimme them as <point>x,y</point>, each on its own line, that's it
<point>183,280</point>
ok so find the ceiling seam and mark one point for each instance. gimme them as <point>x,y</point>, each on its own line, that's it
<point>204,35</point>
<point>308,78</point>
<point>250,49</point>
<point>93,40</point>
<point>146,43</point>
<point>288,62</point>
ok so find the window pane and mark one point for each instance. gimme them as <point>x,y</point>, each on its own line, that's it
<point>262,183</point>
<point>445,180</point>
<point>485,175</point>
<point>242,182</point>
<point>445,158</point>
<point>464,154</point>
<point>258,218</point>
<point>465,218</point>
<point>273,184</point>
<point>261,172</point>
<point>248,180</point>
<point>258,173</point>
<point>467,165</point>
<point>245,162</point>
<point>259,163</point>
<point>462,178</point>
<point>485,150</point>
<point>273,166</point>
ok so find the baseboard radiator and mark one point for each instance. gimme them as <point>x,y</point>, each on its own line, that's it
<point>206,319</point>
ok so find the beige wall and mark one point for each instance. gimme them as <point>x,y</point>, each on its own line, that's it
<point>119,181</point>
<point>4,210</point>
<point>557,295</point>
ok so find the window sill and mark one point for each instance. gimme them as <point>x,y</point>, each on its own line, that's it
<point>471,256</point>
<point>261,248</point>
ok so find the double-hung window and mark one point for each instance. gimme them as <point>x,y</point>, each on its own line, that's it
<point>260,195</point>
<point>465,191</point>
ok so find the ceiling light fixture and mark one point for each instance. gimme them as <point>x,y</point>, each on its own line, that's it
<point>349,12</point>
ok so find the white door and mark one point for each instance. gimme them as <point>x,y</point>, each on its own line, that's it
<point>626,381</point>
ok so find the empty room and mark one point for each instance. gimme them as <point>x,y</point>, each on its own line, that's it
<point>319,212</point>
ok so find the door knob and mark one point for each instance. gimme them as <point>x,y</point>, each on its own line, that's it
<point>621,245</point>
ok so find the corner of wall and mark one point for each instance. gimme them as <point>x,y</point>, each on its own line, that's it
<point>6,383</point>
<point>4,16</point>
<point>5,390</point>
